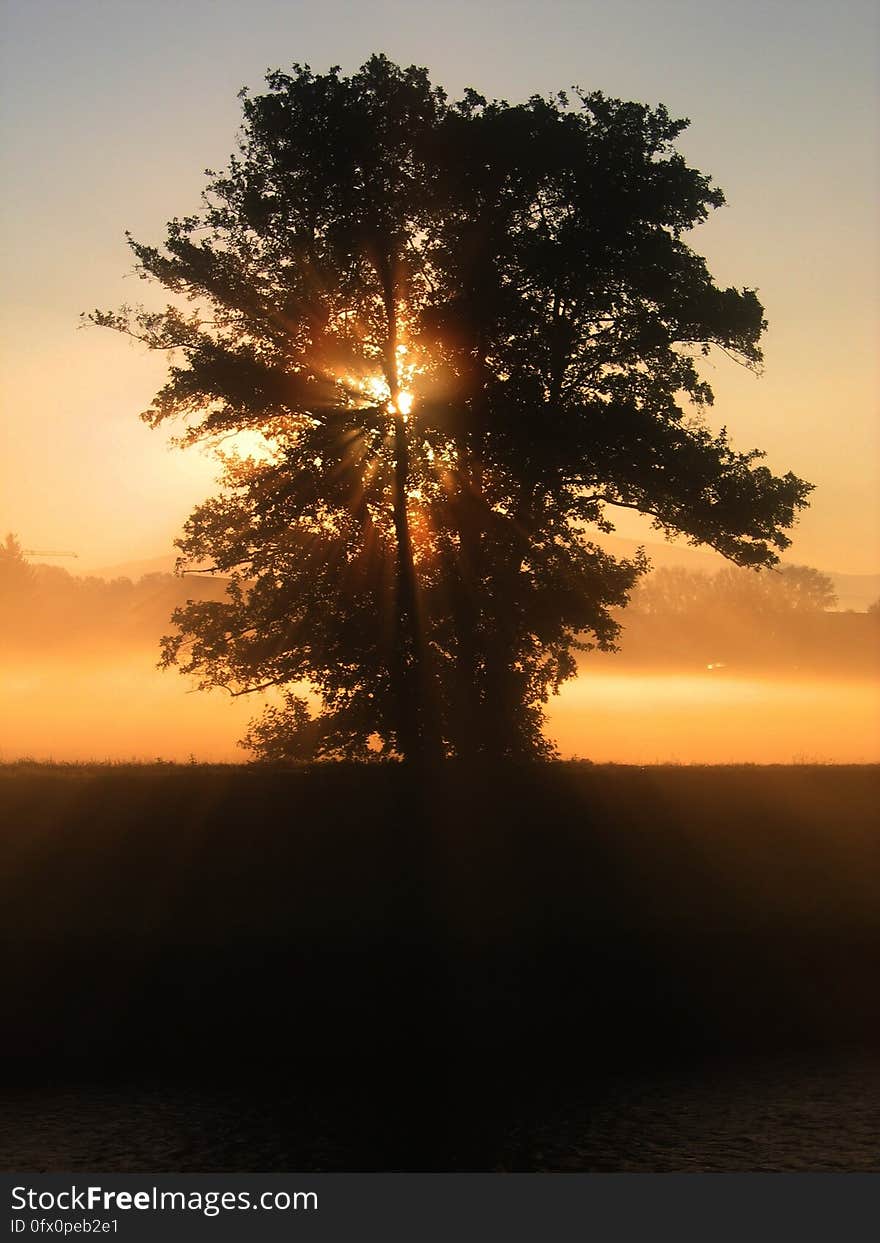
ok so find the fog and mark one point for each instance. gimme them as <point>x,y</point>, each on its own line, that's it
<point>712,669</point>
<point>123,708</point>
<point>118,708</point>
<point>708,718</point>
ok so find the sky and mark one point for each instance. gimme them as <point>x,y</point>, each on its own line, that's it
<point>113,109</point>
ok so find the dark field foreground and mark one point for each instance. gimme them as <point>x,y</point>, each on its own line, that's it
<point>345,968</point>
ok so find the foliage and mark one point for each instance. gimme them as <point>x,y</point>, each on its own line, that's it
<point>15,573</point>
<point>463,331</point>
<point>675,591</point>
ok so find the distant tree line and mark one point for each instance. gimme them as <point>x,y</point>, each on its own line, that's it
<point>677,617</point>
<point>791,589</point>
<point>733,619</point>
<point>45,607</point>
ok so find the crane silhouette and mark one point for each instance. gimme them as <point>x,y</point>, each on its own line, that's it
<point>43,552</point>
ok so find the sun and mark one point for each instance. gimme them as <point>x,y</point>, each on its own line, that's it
<point>377,389</point>
<point>403,405</point>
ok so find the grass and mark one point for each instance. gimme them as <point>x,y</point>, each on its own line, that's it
<point>176,911</point>
<point>410,964</point>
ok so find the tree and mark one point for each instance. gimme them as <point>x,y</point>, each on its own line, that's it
<point>15,573</point>
<point>803,589</point>
<point>462,331</point>
<point>676,591</point>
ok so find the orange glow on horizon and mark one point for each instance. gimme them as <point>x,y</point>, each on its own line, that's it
<point>121,707</point>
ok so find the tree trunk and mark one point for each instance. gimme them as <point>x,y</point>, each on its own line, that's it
<point>473,719</point>
<point>468,580</point>
<point>417,735</point>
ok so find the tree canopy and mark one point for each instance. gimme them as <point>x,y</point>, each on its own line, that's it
<point>463,332</point>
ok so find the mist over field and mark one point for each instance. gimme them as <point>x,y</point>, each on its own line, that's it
<point>125,709</point>
<point>729,667</point>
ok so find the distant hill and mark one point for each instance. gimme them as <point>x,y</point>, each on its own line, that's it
<point>135,569</point>
<point>856,591</point>
<point>662,554</point>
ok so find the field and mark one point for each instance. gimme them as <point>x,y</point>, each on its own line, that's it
<point>419,963</point>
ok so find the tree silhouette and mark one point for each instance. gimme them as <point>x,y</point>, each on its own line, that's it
<point>792,589</point>
<point>462,331</point>
<point>16,574</point>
